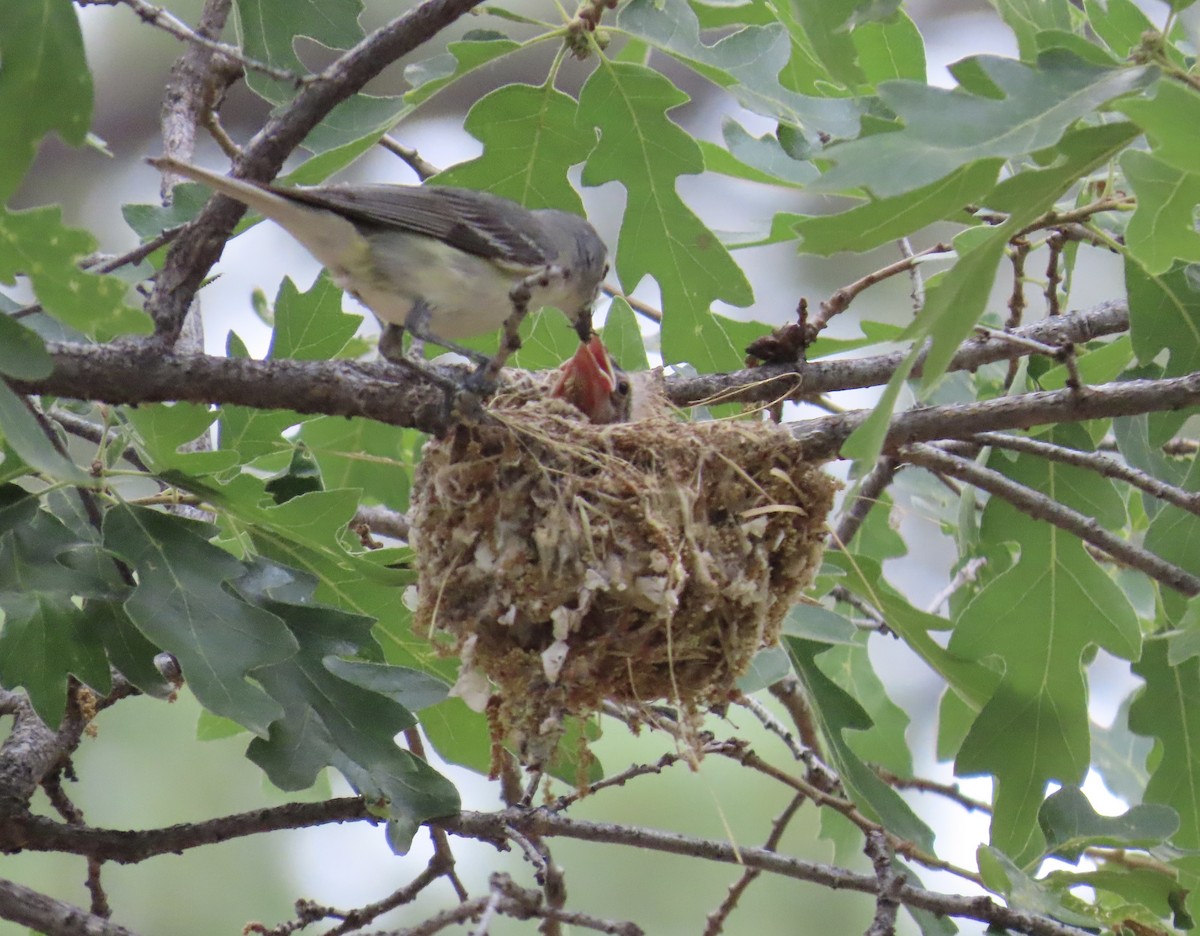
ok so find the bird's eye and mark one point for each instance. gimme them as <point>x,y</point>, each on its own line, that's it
<point>605,273</point>
<point>623,387</point>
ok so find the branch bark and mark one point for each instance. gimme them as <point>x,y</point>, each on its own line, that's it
<point>1042,507</point>
<point>52,917</point>
<point>133,372</point>
<point>490,826</point>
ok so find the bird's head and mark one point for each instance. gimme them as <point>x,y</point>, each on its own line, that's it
<point>594,384</point>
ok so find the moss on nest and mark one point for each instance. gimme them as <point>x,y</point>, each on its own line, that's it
<point>570,563</point>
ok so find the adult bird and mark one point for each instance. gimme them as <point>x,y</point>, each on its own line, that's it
<point>441,262</point>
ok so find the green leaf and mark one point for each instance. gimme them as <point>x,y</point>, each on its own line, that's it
<point>766,668</point>
<point>1120,24</point>
<point>1172,121</point>
<point>249,432</point>
<point>459,735</point>
<point>866,442</point>
<point>332,721</point>
<point>813,622</point>
<point>824,26</point>
<point>1119,756</point>
<point>429,76</point>
<point>623,337</point>
<point>530,139</point>
<point>1070,825</point>
<point>881,220</point>
<point>890,49</point>
<point>46,636</point>
<point>45,83</point>
<point>954,304</point>
<point>837,712</point>
<point>22,351</point>
<point>1021,892</point>
<point>661,237</point>
<point>1039,617</point>
<point>877,537</point>
<point>37,244</point>
<point>268,30</point>
<point>1029,19</point>
<point>864,577</point>
<point>1174,535</point>
<point>311,326</point>
<point>348,131</point>
<point>747,62</point>
<point>21,430</point>
<point>302,476</point>
<point>1163,228</point>
<point>1096,365</point>
<point>150,220</point>
<point>1168,709</point>
<point>1164,315</point>
<point>183,604</point>
<point>161,429</point>
<point>848,665</point>
<point>945,130</point>
<point>411,688</point>
<point>361,453</point>
<point>758,159</point>
<point>546,341</point>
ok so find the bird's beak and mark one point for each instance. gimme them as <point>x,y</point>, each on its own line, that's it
<point>596,386</point>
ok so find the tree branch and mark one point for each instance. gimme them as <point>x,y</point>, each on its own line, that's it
<point>36,833</point>
<point>490,826</point>
<point>143,372</point>
<point>1041,507</point>
<point>824,437</point>
<point>52,917</point>
<point>1101,464</point>
<point>773,382</point>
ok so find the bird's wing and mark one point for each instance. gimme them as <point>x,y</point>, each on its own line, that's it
<point>476,222</point>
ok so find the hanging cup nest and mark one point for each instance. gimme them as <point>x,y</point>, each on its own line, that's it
<point>569,564</point>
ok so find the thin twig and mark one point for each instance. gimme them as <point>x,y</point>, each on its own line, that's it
<point>442,853</point>
<point>715,922</point>
<point>917,292</point>
<point>485,826</point>
<point>617,779</point>
<point>1097,462</point>
<point>1054,245</point>
<point>949,790</point>
<point>1019,341</point>
<point>424,170</point>
<point>645,310</point>
<point>841,298</point>
<point>1041,507</point>
<point>166,21</point>
<point>865,496</point>
<point>790,693</point>
<point>891,881</point>
<point>966,574</point>
<point>382,520</point>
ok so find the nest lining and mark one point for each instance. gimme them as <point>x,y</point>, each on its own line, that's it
<point>569,564</point>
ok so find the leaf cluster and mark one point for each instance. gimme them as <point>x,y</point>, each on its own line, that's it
<point>228,531</point>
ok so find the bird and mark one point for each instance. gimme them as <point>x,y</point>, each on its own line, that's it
<point>438,261</point>
<point>595,384</point>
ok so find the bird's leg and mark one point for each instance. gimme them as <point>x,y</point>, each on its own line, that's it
<point>391,349</point>
<point>417,324</point>
<point>484,376</point>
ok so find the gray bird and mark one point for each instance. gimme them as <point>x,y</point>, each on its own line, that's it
<point>436,260</point>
